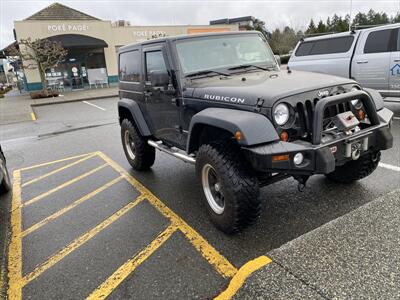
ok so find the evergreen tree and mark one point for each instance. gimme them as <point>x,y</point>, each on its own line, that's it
<point>311,28</point>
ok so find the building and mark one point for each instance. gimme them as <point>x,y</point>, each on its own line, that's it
<point>244,23</point>
<point>91,43</point>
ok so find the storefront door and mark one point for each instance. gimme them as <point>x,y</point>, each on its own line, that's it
<point>75,75</point>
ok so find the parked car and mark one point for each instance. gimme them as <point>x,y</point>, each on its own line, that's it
<point>369,56</point>
<point>220,101</point>
<point>5,181</point>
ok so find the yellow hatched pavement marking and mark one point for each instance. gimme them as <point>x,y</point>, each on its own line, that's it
<point>54,162</point>
<point>106,288</point>
<point>79,241</point>
<point>65,184</point>
<point>58,170</point>
<point>15,248</point>
<point>71,206</point>
<point>219,262</point>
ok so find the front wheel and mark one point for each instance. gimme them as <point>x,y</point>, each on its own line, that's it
<point>140,155</point>
<point>356,169</point>
<point>230,188</point>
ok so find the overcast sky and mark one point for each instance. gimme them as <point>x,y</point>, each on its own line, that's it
<point>275,13</point>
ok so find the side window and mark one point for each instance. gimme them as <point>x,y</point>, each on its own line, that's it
<point>398,39</point>
<point>378,41</point>
<point>129,66</point>
<point>325,46</point>
<point>154,62</point>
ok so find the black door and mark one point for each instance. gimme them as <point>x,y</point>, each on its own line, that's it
<point>161,109</point>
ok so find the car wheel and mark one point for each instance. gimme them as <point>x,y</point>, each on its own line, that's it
<point>230,189</point>
<point>140,155</point>
<point>356,169</point>
<point>5,185</point>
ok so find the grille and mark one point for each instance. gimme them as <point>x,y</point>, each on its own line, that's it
<point>305,115</point>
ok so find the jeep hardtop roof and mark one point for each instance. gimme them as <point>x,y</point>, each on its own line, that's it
<point>183,37</point>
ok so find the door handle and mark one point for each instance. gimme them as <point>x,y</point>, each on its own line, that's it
<point>362,61</point>
<point>397,60</point>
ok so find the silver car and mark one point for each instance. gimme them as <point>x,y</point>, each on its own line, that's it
<point>370,56</point>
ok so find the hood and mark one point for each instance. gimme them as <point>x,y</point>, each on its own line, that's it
<point>247,88</point>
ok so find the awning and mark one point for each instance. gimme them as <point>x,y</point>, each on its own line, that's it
<point>78,41</point>
<point>9,50</point>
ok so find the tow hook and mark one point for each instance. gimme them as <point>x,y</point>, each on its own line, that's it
<point>302,180</point>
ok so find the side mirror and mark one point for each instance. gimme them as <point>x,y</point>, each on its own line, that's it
<point>278,59</point>
<point>159,78</point>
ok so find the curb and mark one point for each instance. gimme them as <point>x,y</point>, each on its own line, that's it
<point>74,100</point>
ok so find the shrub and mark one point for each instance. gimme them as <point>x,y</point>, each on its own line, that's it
<point>43,94</point>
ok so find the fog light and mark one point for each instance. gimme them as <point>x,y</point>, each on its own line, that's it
<point>298,159</point>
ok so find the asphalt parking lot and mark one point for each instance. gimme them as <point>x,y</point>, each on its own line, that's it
<point>85,225</point>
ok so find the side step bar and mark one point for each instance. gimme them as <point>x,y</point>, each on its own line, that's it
<point>160,146</point>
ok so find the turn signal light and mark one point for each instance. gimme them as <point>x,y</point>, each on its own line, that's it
<point>280,157</point>
<point>361,115</point>
<point>238,135</point>
<point>284,136</point>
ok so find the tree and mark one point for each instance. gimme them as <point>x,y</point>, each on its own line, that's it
<point>41,54</point>
<point>311,28</point>
<point>321,28</point>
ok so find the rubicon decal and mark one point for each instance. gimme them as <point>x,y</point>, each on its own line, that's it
<point>224,98</point>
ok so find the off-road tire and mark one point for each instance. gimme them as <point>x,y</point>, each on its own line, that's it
<point>242,205</point>
<point>144,154</point>
<point>356,169</point>
<point>5,184</point>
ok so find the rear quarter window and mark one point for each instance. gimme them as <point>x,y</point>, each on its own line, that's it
<point>129,66</point>
<point>325,46</point>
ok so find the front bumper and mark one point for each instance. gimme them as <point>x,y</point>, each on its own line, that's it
<point>320,158</point>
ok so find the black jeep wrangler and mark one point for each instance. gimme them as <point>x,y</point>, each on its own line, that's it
<point>221,102</point>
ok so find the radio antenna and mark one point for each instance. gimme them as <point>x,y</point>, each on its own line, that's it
<point>351,9</point>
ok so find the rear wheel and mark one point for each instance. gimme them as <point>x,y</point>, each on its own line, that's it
<point>5,184</point>
<point>140,155</point>
<point>230,188</point>
<point>356,169</point>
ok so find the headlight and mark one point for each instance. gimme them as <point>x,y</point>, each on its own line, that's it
<point>356,102</point>
<point>281,114</point>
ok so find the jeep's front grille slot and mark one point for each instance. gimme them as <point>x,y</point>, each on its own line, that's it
<point>305,115</point>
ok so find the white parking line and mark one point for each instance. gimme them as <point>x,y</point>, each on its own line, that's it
<point>94,105</point>
<point>390,167</point>
<point>396,118</point>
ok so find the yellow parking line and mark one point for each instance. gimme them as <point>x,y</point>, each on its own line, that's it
<point>244,272</point>
<point>33,116</point>
<point>71,206</point>
<point>65,184</point>
<point>54,162</point>
<point>15,248</point>
<point>79,242</point>
<point>219,262</point>
<point>106,288</point>
<point>58,170</point>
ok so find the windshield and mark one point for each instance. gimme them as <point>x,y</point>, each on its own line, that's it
<point>223,52</point>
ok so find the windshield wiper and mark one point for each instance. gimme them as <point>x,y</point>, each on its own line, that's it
<point>206,72</point>
<point>246,66</point>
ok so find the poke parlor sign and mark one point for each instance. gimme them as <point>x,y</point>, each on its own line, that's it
<point>67,27</point>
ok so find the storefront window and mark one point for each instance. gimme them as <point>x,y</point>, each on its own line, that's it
<point>81,67</point>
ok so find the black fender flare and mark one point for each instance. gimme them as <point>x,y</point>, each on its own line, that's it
<point>255,128</point>
<point>376,97</point>
<point>136,113</point>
